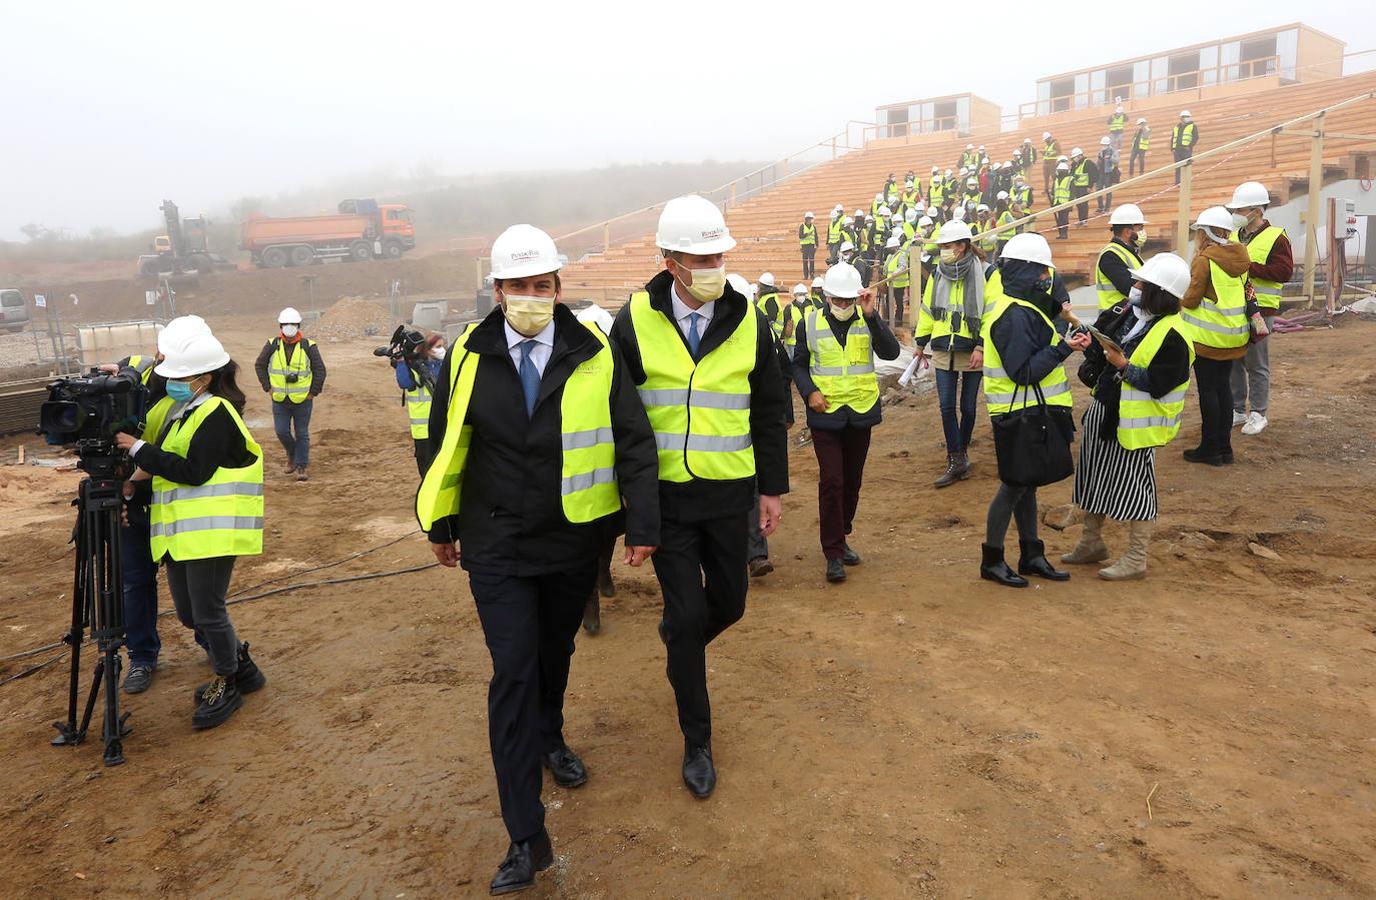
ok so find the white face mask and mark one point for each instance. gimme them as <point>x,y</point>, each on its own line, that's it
<point>1135,296</point>
<point>289,331</point>
<point>841,313</point>
<point>438,353</point>
<point>708,284</point>
<point>1240,220</point>
<point>528,315</point>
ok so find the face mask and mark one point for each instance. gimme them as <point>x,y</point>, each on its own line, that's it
<point>288,331</point>
<point>949,255</point>
<point>1240,220</point>
<point>1135,296</point>
<point>708,284</point>
<point>841,313</point>
<point>1133,238</point>
<point>1044,284</point>
<point>529,315</point>
<point>438,353</point>
<point>181,391</point>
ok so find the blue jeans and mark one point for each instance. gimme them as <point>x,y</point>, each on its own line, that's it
<point>948,382</point>
<point>140,580</point>
<point>288,417</point>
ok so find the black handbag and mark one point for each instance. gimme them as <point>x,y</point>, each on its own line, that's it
<point>1032,447</point>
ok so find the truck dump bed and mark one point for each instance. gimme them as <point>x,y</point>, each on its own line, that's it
<point>264,231</point>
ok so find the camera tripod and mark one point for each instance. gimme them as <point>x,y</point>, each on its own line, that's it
<point>98,604</point>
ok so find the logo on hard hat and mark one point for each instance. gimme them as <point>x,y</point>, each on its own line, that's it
<point>712,233</point>
<point>521,255</point>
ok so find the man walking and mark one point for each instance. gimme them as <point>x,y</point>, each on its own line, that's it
<point>289,368</point>
<point>1141,142</point>
<point>708,372</point>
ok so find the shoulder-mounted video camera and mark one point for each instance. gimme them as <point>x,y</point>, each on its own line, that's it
<point>406,346</point>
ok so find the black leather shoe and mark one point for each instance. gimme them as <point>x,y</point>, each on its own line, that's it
<point>218,702</point>
<point>698,772</point>
<point>1033,561</point>
<point>523,860</point>
<point>1227,457</point>
<point>993,568</point>
<point>836,570</point>
<point>1211,459</point>
<point>566,767</point>
<point>592,614</point>
<point>247,678</point>
<point>850,557</point>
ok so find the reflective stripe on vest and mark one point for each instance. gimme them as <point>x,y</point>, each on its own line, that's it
<point>1259,251</point>
<point>1108,294</point>
<point>1143,140</point>
<point>299,365</point>
<point>700,411</point>
<point>587,484</point>
<point>844,375</point>
<point>1147,421</point>
<point>897,278</point>
<point>776,321</point>
<point>418,410</point>
<point>809,238</point>
<point>1050,151</point>
<point>223,516</point>
<point>1221,323</point>
<point>934,328</point>
<point>834,232</point>
<point>1117,121</point>
<point>1061,191</point>
<point>1001,393</point>
<point>1182,137</point>
<point>1080,172</point>
<point>143,365</point>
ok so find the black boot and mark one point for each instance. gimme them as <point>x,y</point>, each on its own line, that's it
<point>523,860</point>
<point>592,614</point>
<point>850,557</point>
<point>699,774</point>
<point>247,678</point>
<point>994,568</point>
<point>952,473</point>
<point>836,570</point>
<point>605,586</point>
<point>1033,561</point>
<point>217,703</point>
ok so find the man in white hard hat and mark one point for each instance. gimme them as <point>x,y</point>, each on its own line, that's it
<point>1116,123</point>
<point>833,367</point>
<point>1084,174</point>
<point>1110,172</point>
<point>834,228</point>
<point>1141,142</point>
<point>1184,137</point>
<point>708,373</point>
<point>1051,151</point>
<point>897,277</point>
<point>290,369</point>
<point>1273,264</point>
<point>1113,277</point>
<point>539,436</point>
<point>814,295</point>
<point>807,244</point>
<point>1061,193</point>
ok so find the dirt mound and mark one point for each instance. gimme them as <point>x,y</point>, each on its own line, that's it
<point>353,317</point>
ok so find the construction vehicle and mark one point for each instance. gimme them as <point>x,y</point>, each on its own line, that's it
<point>185,248</point>
<point>362,230</point>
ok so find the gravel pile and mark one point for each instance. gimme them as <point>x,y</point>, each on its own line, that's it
<point>353,317</point>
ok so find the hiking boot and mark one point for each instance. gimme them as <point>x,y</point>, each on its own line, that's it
<point>1033,561</point>
<point>994,568</point>
<point>760,566</point>
<point>248,677</point>
<point>952,473</point>
<point>139,678</point>
<point>1091,548</point>
<point>217,703</point>
<point>836,570</point>
<point>301,474</point>
<point>1134,563</point>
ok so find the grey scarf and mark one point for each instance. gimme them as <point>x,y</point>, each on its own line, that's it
<point>968,269</point>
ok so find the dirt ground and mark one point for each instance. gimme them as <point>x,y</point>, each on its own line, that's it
<point>912,732</point>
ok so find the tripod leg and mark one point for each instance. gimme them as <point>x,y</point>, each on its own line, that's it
<point>113,728</point>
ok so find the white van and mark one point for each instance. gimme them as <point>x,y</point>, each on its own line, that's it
<point>14,310</point>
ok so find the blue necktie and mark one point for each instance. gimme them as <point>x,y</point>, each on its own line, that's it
<point>530,376</point>
<point>693,337</point>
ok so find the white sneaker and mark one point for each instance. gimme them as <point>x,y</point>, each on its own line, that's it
<point>1256,423</point>
<point>1239,418</point>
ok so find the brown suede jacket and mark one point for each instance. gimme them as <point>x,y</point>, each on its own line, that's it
<point>1231,258</point>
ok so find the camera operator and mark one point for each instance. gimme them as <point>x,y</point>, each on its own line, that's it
<point>289,368</point>
<point>415,387</point>
<point>207,507</point>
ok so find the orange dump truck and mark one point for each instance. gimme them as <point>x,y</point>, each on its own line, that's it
<point>362,230</point>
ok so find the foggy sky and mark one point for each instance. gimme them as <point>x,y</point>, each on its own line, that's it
<point>108,107</point>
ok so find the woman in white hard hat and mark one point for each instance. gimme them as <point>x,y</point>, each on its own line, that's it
<point>833,367</point>
<point>538,436</point>
<point>1023,370</point>
<point>948,323</point>
<point>207,481</point>
<point>1139,398</point>
<point>291,370</point>
<point>1215,310</point>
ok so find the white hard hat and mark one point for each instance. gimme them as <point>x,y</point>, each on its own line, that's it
<point>885,211</point>
<point>972,182</point>
<point>897,219</point>
<point>523,251</point>
<point>1063,165</point>
<point>1184,114</point>
<point>983,207</point>
<point>1141,121</point>
<point>952,231</point>
<point>1045,135</point>
<point>981,147</point>
<point>177,329</point>
<point>935,169</point>
<point>840,207</point>
<point>1104,141</point>
<point>1250,193</point>
<point>964,170</point>
<point>948,171</point>
<point>846,245</point>
<point>817,281</point>
<point>809,215</point>
<point>190,351</point>
<point>869,217</point>
<point>933,211</point>
<point>800,288</point>
<point>1167,271</point>
<point>892,242</point>
<point>969,146</point>
<point>1127,214</point>
<point>288,315</point>
<point>743,287</point>
<point>879,198</point>
<point>1077,152</point>
<point>924,222</point>
<point>766,278</point>
<point>859,212</point>
<point>1028,246</point>
<point>842,281</point>
<point>1063,158</point>
<point>847,220</point>
<point>958,213</point>
<point>1003,195</point>
<point>910,215</point>
<point>692,224</point>
<point>1214,217</point>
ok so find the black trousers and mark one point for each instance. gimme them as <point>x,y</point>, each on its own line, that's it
<point>529,625</point>
<point>701,567</point>
<point>1213,378</point>
<point>809,262</point>
<point>1062,223</point>
<point>1181,153</point>
<point>1081,209</point>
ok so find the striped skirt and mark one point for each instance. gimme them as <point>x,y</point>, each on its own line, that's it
<point>1118,483</point>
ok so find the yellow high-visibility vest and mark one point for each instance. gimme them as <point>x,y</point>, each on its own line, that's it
<point>1182,137</point>
<point>299,365</point>
<point>418,410</point>
<point>1147,421</point>
<point>844,375</point>
<point>1259,250</point>
<point>809,238</point>
<point>1001,393</point>
<point>1221,323</point>
<point>1108,294</point>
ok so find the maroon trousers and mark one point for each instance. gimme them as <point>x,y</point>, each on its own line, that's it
<point>841,464</point>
